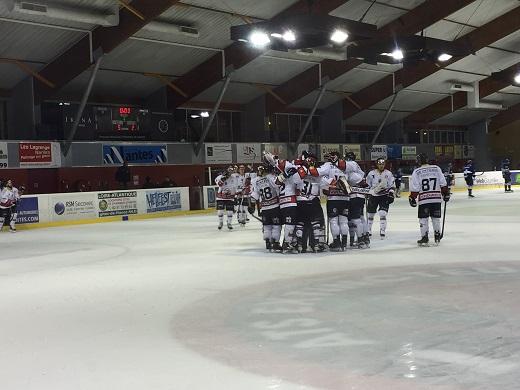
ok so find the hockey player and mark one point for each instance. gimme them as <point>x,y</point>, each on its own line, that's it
<point>357,223</point>
<point>265,192</point>
<point>9,197</point>
<point>243,194</point>
<point>227,188</point>
<point>506,174</point>
<point>289,180</point>
<point>428,188</point>
<point>398,177</point>
<point>337,207</point>
<point>449,176</point>
<point>382,192</point>
<point>310,212</point>
<point>469,176</point>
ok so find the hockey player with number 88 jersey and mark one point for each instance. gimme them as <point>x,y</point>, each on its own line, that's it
<point>428,188</point>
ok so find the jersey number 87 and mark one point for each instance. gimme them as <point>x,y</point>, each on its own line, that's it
<point>426,184</point>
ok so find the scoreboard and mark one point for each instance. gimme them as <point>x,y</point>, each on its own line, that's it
<point>122,122</point>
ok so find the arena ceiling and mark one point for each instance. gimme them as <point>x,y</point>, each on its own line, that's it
<point>141,60</point>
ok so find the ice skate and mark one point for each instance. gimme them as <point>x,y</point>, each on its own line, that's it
<point>336,246</point>
<point>424,241</point>
<point>437,238</point>
<point>268,245</point>
<point>275,246</point>
<point>220,226</point>
<point>229,226</point>
<point>12,230</point>
<point>382,234</point>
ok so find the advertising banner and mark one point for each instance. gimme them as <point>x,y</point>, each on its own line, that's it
<point>117,203</point>
<point>378,151</point>
<point>135,154</point>
<point>28,210</point>
<point>163,200</point>
<point>326,149</point>
<point>276,149</point>
<point>4,161</point>
<point>354,148</point>
<point>409,152</point>
<point>218,153</point>
<point>395,151</point>
<point>39,154</point>
<point>74,206</point>
<point>249,153</point>
<point>210,196</point>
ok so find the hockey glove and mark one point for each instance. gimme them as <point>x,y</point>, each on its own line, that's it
<point>412,201</point>
<point>446,197</point>
<point>391,197</point>
<point>251,209</point>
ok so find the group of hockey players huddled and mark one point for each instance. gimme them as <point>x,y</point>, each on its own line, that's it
<point>287,193</point>
<point>9,199</point>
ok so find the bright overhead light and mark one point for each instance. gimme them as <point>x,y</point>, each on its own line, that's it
<point>517,78</point>
<point>204,114</point>
<point>259,39</point>
<point>339,36</point>
<point>242,40</point>
<point>398,54</point>
<point>195,116</point>
<point>445,57</point>
<point>289,36</point>
<point>277,35</point>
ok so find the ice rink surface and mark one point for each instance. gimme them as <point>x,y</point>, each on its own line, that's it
<point>175,304</point>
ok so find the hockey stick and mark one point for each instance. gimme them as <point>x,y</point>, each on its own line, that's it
<point>443,219</point>
<point>254,216</point>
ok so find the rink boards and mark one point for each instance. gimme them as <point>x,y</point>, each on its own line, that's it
<point>90,207</point>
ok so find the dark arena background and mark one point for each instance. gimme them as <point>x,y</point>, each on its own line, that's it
<point>260,195</point>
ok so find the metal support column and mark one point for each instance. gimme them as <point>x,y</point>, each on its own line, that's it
<point>309,119</point>
<point>383,122</point>
<point>82,105</point>
<point>213,114</point>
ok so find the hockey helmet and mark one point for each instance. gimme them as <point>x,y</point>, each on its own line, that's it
<point>262,170</point>
<point>380,163</point>
<point>350,156</point>
<point>332,157</point>
<point>311,160</point>
<point>422,159</point>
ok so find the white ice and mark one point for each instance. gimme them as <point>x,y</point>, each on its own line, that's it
<point>175,304</point>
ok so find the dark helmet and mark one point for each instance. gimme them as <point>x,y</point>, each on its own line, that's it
<point>422,159</point>
<point>311,160</point>
<point>381,161</point>
<point>332,157</point>
<point>350,156</point>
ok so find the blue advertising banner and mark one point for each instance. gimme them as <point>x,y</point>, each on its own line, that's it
<point>394,151</point>
<point>163,200</point>
<point>28,211</point>
<point>134,154</point>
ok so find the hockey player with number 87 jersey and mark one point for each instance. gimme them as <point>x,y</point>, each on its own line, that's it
<point>428,188</point>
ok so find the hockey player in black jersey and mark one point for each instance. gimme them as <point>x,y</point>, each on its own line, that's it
<point>469,176</point>
<point>506,174</point>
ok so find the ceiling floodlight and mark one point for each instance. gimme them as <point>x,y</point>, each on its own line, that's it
<point>259,39</point>
<point>194,116</point>
<point>339,36</point>
<point>289,36</point>
<point>204,114</point>
<point>517,78</point>
<point>397,54</point>
<point>445,57</point>
<point>277,35</point>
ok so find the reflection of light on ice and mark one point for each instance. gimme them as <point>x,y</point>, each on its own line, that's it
<point>409,361</point>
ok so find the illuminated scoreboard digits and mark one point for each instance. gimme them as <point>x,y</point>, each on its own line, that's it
<point>125,119</point>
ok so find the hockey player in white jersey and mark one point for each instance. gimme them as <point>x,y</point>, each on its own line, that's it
<point>382,193</point>
<point>9,198</point>
<point>337,206</point>
<point>310,213</point>
<point>265,192</point>
<point>243,194</point>
<point>357,223</point>
<point>227,188</point>
<point>428,188</point>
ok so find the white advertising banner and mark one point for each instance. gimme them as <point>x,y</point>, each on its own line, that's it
<point>249,153</point>
<point>279,150</point>
<point>73,206</point>
<point>218,153</point>
<point>4,161</point>
<point>326,149</point>
<point>354,148</point>
<point>378,151</point>
<point>115,203</point>
<point>160,200</point>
